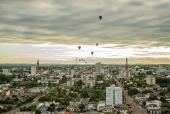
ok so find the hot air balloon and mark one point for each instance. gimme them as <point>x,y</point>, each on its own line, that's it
<point>96,44</point>
<point>92,52</point>
<point>79,47</point>
<point>100,17</point>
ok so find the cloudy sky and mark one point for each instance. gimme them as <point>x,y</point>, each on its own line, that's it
<point>51,31</point>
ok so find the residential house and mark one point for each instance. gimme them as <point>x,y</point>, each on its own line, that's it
<point>74,103</point>
<point>152,108</point>
<point>157,102</point>
<point>122,108</point>
<point>107,110</point>
<point>92,106</point>
<point>141,96</point>
<point>85,101</point>
<point>3,106</point>
<point>167,95</point>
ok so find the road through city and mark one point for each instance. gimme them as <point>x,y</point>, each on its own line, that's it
<point>129,100</point>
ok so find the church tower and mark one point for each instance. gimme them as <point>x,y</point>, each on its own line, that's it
<point>37,65</point>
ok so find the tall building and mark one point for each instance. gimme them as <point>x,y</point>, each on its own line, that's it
<point>33,70</point>
<point>92,82</point>
<point>127,67</point>
<point>69,71</point>
<point>5,71</point>
<point>98,68</point>
<point>37,67</point>
<point>127,73</point>
<point>150,80</point>
<point>113,95</point>
<point>72,72</point>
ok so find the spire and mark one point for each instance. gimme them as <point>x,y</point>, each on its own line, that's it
<point>37,64</point>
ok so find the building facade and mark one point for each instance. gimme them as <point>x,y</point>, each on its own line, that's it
<point>127,74</point>
<point>113,95</point>
<point>150,80</point>
<point>70,82</point>
<point>98,68</point>
<point>84,77</point>
<point>72,72</point>
<point>5,71</point>
<point>69,71</point>
<point>33,70</point>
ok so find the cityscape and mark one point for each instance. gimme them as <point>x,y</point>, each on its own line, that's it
<point>84,57</point>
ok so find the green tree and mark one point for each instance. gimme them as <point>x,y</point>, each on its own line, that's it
<point>151,98</point>
<point>144,103</point>
<point>169,88</point>
<point>64,91</point>
<point>163,92</point>
<point>24,108</point>
<point>84,94</point>
<point>162,111</point>
<point>37,111</point>
<point>9,107</point>
<point>118,112</point>
<point>33,106</point>
<point>81,106</point>
<point>163,99</point>
<point>59,108</point>
<point>14,96</point>
<point>4,110</point>
<point>132,91</point>
<point>130,112</point>
<point>53,98</point>
<point>14,84</point>
<point>19,104</point>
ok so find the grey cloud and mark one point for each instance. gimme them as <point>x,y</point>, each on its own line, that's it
<point>135,3</point>
<point>80,20</point>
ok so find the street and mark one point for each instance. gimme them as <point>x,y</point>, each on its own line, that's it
<point>129,100</point>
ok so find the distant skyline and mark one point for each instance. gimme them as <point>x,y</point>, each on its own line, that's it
<point>52,30</point>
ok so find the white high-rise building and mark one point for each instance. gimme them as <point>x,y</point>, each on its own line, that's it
<point>113,95</point>
<point>33,70</point>
<point>5,71</point>
<point>98,68</point>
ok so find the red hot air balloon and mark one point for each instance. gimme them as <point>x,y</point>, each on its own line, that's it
<point>96,44</point>
<point>79,47</point>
